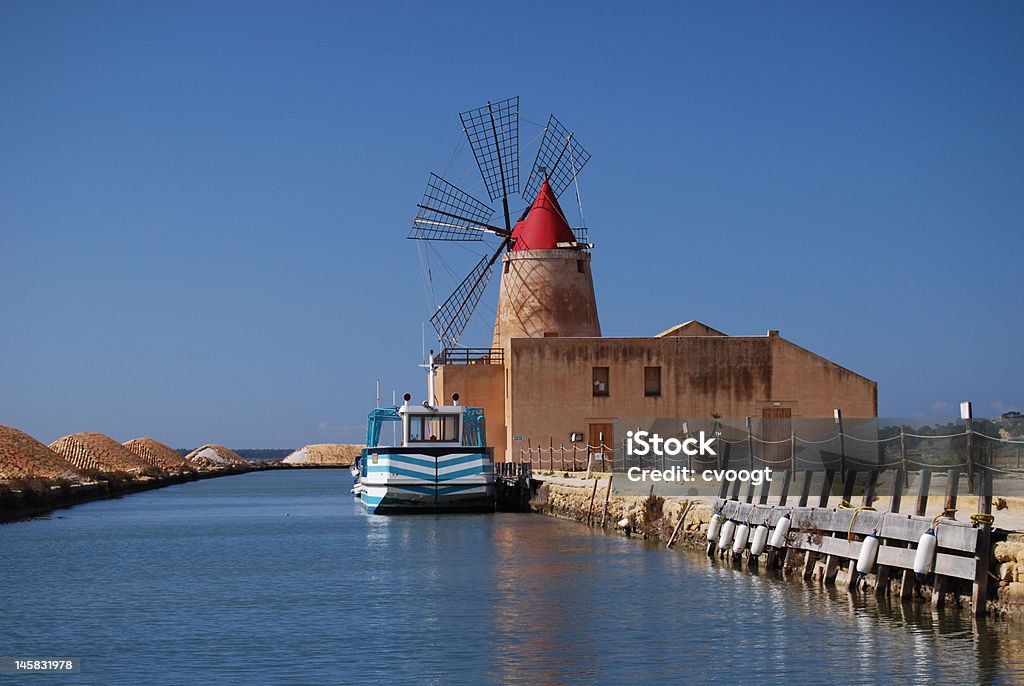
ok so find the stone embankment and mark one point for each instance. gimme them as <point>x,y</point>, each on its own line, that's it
<point>683,521</point>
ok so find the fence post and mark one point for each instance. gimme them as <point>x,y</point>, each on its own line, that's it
<point>842,445</point>
<point>750,442</point>
<point>903,454</point>
<point>792,451</point>
<point>967,415</point>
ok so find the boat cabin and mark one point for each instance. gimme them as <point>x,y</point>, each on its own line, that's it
<point>428,426</point>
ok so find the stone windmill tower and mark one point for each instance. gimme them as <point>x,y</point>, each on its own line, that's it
<point>546,285</point>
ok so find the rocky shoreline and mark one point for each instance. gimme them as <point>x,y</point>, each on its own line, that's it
<point>27,498</point>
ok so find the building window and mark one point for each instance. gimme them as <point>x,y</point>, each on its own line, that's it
<point>550,334</point>
<point>505,271</point>
<point>579,266</point>
<point>652,381</point>
<point>600,382</point>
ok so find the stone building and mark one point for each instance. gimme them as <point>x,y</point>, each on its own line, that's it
<point>550,374</point>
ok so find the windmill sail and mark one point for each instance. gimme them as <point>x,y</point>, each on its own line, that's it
<point>447,213</point>
<point>493,133</point>
<point>451,318</point>
<point>559,159</point>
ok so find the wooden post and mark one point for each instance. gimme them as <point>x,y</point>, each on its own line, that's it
<point>607,495</point>
<point>826,487</point>
<point>679,524</point>
<point>590,512</point>
<point>765,487</point>
<point>785,487</point>
<point>750,492</point>
<point>952,484</point>
<point>848,482</point>
<point>983,553</point>
<point>897,491</point>
<point>869,489</point>
<point>922,492</point>
<point>529,451</point>
<point>805,488</point>
<point>907,590</point>
<point>750,443</point>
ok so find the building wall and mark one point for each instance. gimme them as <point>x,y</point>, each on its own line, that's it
<point>817,386</point>
<point>478,385</point>
<point>551,383</point>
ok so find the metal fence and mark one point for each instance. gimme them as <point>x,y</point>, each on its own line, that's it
<point>966,449</point>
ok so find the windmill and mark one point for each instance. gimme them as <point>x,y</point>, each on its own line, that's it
<point>447,213</point>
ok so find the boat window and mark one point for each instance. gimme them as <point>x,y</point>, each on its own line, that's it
<point>438,428</point>
<point>415,428</point>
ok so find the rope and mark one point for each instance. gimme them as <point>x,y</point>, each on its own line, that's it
<point>1012,472</point>
<point>943,436</point>
<point>998,440</point>
<point>980,518</point>
<point>870,440</point>
<point>856,511</point>
<point>937,466</point>
<point>808,442</point>
<point>949,512</point>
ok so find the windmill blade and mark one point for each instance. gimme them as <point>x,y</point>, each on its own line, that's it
<point>447,213</point>
<point>559,159</point>
<point>493,133</point>
<point>451,318</point>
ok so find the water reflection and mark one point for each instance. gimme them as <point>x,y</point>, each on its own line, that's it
<point>328,594</point>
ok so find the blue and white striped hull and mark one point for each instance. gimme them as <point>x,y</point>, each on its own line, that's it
<point>428,480</point>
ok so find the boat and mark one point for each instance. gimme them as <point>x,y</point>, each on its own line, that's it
<point>442,462</point>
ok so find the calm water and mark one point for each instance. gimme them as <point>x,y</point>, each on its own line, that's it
<point>278,577</point>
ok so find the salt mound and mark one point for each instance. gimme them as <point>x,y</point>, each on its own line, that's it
<point>90,450</point>
<point>326,454</point>
<point>22,456</point>
<point>157,454</point>
<point>214,456</point>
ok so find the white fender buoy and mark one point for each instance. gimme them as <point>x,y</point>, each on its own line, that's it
<point>868,554</point>
<point>924,560</point>
<point>714,526</point>
<point>759,540</point>
<point>781,529</point>
<point>739,539</point>
<point>725,538</point>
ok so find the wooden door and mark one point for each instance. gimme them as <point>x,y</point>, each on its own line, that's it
<point>776,427</point>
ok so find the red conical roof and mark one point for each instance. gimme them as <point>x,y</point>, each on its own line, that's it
<point>545,226</point>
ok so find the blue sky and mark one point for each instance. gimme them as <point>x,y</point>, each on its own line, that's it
<point>203,206</point>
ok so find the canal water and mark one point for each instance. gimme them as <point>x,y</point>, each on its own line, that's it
<point>279,577</point>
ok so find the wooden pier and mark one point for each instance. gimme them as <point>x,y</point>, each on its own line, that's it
<point>831,537</point>
<point>512,486</point>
